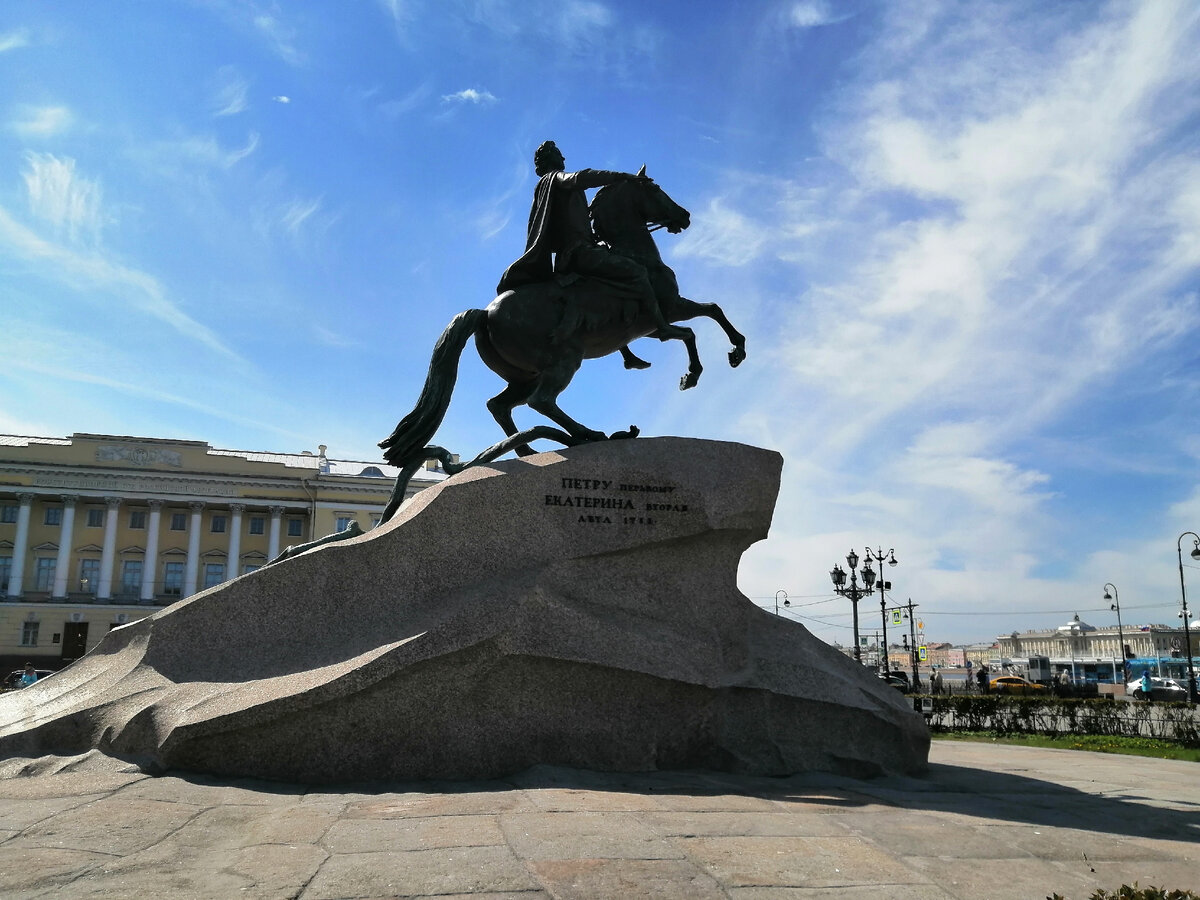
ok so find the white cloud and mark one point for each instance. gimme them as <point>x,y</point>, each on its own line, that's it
<point>59,195</point>
<point>282,99</point>
<point>297,212</point>
<point>1010,226</point>
<point>42,121</point>
<point>811,14</point>
<point>723,236</point>
<point>13,40</point>
<point>89,272</point>
<point>229,92</point>
<point>470,95</point>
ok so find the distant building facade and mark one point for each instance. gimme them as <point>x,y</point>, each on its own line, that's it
<point>98,530</point>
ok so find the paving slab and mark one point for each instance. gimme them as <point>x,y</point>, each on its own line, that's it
<point>987,821</point>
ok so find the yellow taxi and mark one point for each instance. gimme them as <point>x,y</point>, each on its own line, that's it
<point>1015,684</point>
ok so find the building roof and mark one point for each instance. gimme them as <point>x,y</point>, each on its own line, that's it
<point>305,459</point>
<point>17,440</point>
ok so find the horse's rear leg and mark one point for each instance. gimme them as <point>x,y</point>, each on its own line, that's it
<point>552,381</point>
<point>501,407</point>
<point>690,309</point>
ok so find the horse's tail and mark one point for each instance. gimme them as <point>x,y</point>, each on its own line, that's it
<point>407,443</point>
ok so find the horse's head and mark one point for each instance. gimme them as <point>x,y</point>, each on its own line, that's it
<point>636,203</point>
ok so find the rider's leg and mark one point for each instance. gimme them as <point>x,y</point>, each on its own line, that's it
<point>600,262</point>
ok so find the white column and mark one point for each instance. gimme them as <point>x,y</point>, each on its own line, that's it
<point>20,547</point>
<point>109,552</point>
<point>62,568</point>
<point>273,536</point>
<point>233,561</point>
<point>150,561</point>
<point>193,557</point>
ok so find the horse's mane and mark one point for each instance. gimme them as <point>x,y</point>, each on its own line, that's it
<point>601,208</point>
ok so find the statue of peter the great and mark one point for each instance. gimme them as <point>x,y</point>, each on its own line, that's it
<point>560,241</point>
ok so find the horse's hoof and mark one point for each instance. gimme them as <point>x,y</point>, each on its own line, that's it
<point>736,357</point>
<point>633,432</point>
<point>689,381</point>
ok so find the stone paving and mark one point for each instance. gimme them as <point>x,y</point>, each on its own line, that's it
<point>988,821</point>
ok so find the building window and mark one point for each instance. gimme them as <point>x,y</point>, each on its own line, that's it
<point>295,527</point>
<point>137,518</point>
<point>343,522</point>
<point>43,578</point>
<point>214,574</point>
<point>131,576</point>
<point>250,567</point>
<point>173,579</point>
<point>89,575</point>
<point>29,634</point>
<point>256,524</point>
<point>95,518</point>
<point>179,521</point>
<point>5,572</point>
<point>8,514</point>
<point>53,515</point>
<point>376,519</point>
<point>218,524</point>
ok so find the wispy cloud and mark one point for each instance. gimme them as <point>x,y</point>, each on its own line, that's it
<point>229,92</point>
<point>41,121</point>
<point>1001,234</point>
<point>60,196</point>
<point>297,212</point>
<point>470,95</point>
<point>91,272</point>
<point>195,150</point>
<point>13,40</point>
<point>813,14</point>
<point>282,99</point>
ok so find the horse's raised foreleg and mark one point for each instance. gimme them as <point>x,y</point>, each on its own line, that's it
<point>690,309</point>
<point>501,407</point>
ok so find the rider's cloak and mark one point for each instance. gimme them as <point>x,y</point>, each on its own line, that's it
<point>536,263</point>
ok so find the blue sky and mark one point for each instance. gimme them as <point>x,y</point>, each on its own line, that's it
<point>962,239</point>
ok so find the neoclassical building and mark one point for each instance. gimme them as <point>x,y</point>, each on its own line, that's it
<point>97,530</point>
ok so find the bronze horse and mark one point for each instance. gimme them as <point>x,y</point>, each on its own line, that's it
<point>536,337</point>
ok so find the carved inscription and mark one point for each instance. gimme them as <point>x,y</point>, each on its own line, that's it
<point>602,501</point>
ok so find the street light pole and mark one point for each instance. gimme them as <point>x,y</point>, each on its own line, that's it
<point>853,593</point>
<point>1187,633</point>
<point>785,600</point>
<point>1116,605</point>
<point>869,577</point>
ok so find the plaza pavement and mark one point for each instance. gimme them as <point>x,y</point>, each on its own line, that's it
<point>988,821</point>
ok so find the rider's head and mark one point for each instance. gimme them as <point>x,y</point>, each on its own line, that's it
<point>548,158</point>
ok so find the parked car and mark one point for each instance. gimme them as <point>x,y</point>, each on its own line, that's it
<point>1015,684</point>
<point>1167,689</point>
<point>897,679</point>
<point>12,681</point>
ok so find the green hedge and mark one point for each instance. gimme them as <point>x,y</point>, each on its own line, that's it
<point>1057,716</point>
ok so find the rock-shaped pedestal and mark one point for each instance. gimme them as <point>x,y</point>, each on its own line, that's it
<point>576,608</point>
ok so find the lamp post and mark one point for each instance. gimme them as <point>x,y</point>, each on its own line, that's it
<point>786,602</point>
<point>1116,605</point>
<point>1183,613</point>
<point>869,577</point>
<point>853,593</point>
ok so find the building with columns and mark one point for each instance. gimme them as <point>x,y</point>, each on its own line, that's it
<point>99,530</point>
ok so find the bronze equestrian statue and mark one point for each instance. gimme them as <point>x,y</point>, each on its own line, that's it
<point>567,299</point>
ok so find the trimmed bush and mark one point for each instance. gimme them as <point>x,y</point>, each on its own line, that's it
<point>1058,716</point>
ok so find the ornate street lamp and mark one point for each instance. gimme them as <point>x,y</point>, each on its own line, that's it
<point>854,593</point>
<point>1183,613</point>
<point>786,602</point>
<point>1116,605</point>
<point>869,577</point>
